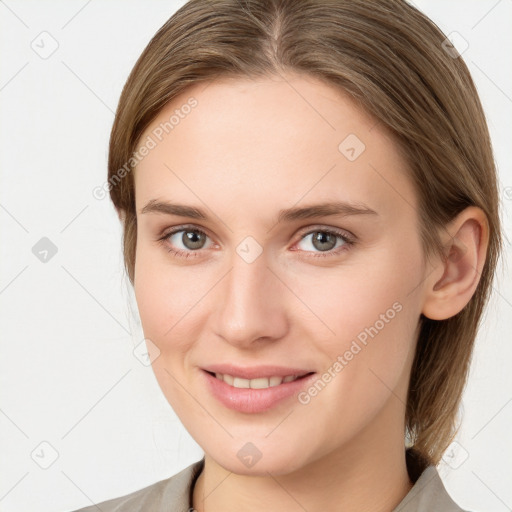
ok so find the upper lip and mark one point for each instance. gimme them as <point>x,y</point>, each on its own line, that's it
<point>255,372</point>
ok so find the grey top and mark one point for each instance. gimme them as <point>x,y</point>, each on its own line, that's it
<point>175,495</point>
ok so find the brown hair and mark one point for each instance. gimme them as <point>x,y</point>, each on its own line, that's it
<point>392,61</point>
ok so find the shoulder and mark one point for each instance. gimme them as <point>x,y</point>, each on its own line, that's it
<point>170,494</point>
<point>428,493</point>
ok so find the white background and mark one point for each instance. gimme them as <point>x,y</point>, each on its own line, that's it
<point>69,326</point>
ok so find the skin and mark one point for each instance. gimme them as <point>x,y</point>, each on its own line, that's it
<point>248,149</point>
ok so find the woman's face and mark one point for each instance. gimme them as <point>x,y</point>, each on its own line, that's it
<point>265,277</point>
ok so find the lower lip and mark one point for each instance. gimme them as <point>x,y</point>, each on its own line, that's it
<point>254,400</point>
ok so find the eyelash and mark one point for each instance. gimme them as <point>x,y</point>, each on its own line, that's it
<point>348,240</point>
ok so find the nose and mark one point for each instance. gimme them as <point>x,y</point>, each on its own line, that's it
<point>251,303</point>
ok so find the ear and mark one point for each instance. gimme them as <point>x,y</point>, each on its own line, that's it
<point>452,283</point>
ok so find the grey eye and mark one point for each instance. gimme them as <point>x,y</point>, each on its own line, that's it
<point>321,240</point>
<point>190,239</point>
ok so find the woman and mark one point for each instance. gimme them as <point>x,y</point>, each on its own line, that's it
<point>310,213</point>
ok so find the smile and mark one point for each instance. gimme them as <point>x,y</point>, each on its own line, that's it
<point>256,395</point>
<point>259,383</point>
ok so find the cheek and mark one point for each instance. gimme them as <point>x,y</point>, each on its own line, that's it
<point>366,318</point>
<point>165,300</point>
<point>163,296</point>
<point>348,299</point>
<point>172,302</point>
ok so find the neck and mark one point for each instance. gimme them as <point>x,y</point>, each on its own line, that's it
<point>368,474</point>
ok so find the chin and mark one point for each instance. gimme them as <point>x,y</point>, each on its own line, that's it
<point>247,458</point>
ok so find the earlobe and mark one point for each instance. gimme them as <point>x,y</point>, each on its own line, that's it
<point>120,214</point>
<point>466,239</point>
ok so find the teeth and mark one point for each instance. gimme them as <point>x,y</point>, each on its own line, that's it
<point>260,383</point>
<point>241,383</point>
<point>227,378</point>
<point>273,381</point>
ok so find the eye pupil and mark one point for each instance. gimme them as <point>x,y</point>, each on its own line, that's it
<point>321,238</point>
<point>193,239</point>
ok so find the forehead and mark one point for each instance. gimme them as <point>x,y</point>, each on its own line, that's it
<point>270,142</point>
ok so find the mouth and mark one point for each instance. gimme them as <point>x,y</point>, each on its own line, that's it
<point>259,394</point>
<point>257,383</point>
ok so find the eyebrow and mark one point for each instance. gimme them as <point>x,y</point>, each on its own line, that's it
<point>333,208</point>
